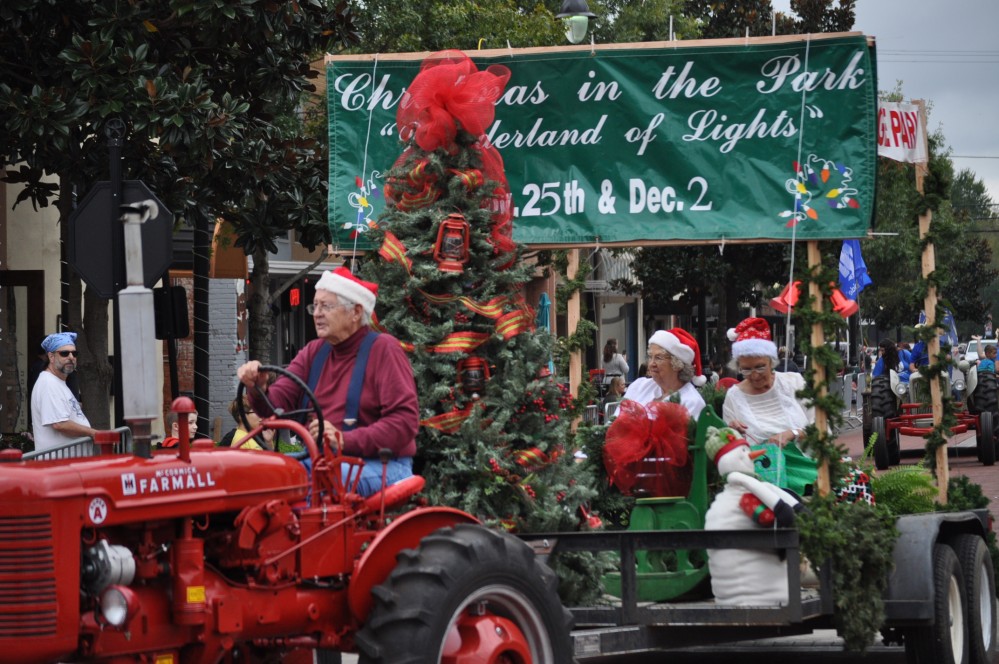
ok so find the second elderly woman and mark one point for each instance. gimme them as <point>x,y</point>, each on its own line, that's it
<point>763,406</point>
<point>674,369</point>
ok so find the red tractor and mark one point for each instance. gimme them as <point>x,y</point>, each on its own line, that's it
<point>203,554</point>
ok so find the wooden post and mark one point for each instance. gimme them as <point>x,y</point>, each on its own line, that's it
<point>818,341</point>
<point>572,321</point>
<point>930,307</point>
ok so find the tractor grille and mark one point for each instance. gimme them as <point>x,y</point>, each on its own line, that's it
<point>27,577</point>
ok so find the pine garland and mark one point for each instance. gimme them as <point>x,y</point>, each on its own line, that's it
<point>855,539</point>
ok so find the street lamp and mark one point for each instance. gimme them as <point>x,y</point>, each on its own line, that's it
<point>577,15</point>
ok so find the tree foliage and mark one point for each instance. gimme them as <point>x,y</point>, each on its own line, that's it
<point>390,26</point>
<point>211,122</point>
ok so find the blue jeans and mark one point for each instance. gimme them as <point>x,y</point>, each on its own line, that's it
<point>371,475</point>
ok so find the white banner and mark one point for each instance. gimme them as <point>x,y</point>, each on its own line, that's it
<point>901,134</point>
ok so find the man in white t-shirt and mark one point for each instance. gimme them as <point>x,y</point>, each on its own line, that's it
<point>56,415</point>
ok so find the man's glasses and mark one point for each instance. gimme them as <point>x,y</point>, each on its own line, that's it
<point>66,353</point>
<point>323,308</point>
<point>746,373</point>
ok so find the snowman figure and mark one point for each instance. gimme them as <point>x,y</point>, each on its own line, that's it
<point>742,577</point>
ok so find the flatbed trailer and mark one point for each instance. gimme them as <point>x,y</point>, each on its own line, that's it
<point>939,616</point>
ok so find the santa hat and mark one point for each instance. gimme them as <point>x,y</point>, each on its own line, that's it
<point>341,282</point>
<point>751,338</point>
<point>719,442</point>
<point>679,343</point>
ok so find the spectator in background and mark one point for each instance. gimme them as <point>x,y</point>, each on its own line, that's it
<point>615,392</point>
<point>988,365</point>
<point>56,414</point>
<point>173,427</point>
<point>988,326</point>
<point>904,353</point>
<point>239,437</point>
<point>614,363</point>
<point>888,360</point>
<point>784,362</point>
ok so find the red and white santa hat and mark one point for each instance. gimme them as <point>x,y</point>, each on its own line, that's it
<point>342,283</point>
<point>679,343</point>
<point>751,338</point>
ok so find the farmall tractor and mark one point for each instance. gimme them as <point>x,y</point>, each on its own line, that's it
<point>204,554</point>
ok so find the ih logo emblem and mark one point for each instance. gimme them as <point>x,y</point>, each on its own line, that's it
<point>128,486</point>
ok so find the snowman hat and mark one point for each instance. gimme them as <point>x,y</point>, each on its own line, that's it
<point>679,343</point>
<point>719,442</point>
<point>751,338</point>
<point>342,283</point>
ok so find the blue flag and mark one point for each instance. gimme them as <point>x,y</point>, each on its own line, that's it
<point>852,270</point>
<point>949,335</point>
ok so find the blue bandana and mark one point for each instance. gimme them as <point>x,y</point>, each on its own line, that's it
<point>56,341</point>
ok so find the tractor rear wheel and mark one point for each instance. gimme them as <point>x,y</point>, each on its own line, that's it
<point>945,642</point>
<point>985,398</point>
<point>884,403</point>
<point>468,594</point>
<point>986,438</point>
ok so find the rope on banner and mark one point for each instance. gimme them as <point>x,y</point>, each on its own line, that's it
<point>797,196</point>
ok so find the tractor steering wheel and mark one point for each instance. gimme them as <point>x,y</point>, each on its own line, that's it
<point>282,414</point>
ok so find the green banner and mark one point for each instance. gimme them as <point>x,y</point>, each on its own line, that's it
<point>709,141</point>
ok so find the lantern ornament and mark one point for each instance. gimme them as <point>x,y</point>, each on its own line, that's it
<point>473,372</point>
<point>451,249</point>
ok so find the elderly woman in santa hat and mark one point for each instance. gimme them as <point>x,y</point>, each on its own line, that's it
<point>674,372</point>
<point>763,406</point>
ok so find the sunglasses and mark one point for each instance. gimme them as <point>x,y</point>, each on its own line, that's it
<point>66,353</point>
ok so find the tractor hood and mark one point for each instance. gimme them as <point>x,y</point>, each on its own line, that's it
<point>117,488</point>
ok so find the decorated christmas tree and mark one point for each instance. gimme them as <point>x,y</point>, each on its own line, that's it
<point>494,423</point>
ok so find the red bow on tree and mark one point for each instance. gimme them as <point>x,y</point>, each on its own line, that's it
<point>449,91</point>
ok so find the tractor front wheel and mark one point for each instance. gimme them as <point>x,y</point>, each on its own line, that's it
<point>467,595</point>
<point>882,453</point>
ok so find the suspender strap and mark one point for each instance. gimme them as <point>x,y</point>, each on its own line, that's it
<point>317,368</point>
<point>357,381</point>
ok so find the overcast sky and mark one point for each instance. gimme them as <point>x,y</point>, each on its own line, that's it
<point>948,54</point>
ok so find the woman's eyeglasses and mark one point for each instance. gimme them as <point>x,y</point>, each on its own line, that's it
<point>66,353</point>
<point>746,373</point>
<point>659,359</point>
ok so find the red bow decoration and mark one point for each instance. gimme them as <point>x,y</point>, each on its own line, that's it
<point>449,92</point>
<point>650,441</point>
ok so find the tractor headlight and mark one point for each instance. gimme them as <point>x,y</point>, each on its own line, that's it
<point>901,389</point>
<point>959,384</point>
<point>119,605</point>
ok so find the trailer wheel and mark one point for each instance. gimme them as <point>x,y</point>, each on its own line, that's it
<point>468,594</point>
<point>980,589</point>
<point>986,438</point>
<point>882,457</point>
<point>944,642</point>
